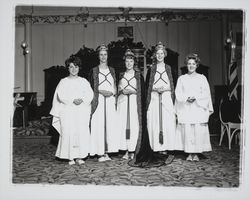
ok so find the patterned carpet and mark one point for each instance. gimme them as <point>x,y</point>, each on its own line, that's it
<point>35,163</point>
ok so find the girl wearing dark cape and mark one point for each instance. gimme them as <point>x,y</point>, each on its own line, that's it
<point>128,107</point>
<point>144,156</point>
<point>161,118</point>
<point>104,138</point>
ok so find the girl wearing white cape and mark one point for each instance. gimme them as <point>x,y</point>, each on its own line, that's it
<point>71,114</point>
<point>193,108</point>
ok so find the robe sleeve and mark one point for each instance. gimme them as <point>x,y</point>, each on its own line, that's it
<point>203,97</point>
<point>63,95</point>
<point>56,103</point>
<point>88,93</point>
<point>55,111</point>
<point>179,91</point>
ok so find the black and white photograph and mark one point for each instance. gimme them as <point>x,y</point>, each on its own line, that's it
<point>119,100</point>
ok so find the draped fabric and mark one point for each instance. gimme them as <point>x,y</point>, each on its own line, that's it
<point>144,155</point>
<point>104,136</point>
<point>192,134</point>
<point>161,119</point>
<point>70,120</point>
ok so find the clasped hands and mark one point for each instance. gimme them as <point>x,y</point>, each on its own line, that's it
<point>77,101</point>
<point>191,99</point>
<point>128,91</point>
<point>160,89</point>
<point>105,93</point>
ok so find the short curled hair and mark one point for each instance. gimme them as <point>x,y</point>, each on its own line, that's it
<point>75,60</point>
<point>193,56</point>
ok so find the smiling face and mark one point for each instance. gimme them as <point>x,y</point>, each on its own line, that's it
<point>191,66</point>
<point>160,56</point>
<point>103,56</point>
<point>73,70</point>
<point>129,62</point>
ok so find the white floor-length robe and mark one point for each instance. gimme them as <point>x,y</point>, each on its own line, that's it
<point>122,105</point>
<point>70,120</point>
<point>98,137</point>
<point>168,115</point>
<point>192,133</point>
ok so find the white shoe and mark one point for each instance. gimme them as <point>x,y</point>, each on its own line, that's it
<point>72,162</point>
<point>196,158</point>
<point>80,161</point>
<point>189,158</point>
<point>125,156</point>
<point>101,159</point>
<point>106,156</point>
<point>132,156</point>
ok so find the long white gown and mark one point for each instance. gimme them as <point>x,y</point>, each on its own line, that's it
<point>192,133</point>
<point>168,114</point>
<point>128,82</point>
<point>70,120</point>
<point>98,135</point>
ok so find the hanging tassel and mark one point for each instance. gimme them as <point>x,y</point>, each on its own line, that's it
<point>160,119</point>
<point>161,137</point>
<point>105,126</point>
<point>128,122</point>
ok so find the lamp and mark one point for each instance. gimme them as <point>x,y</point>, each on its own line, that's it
<point>25,47</point>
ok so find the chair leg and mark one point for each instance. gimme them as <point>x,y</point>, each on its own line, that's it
<point>236,139</point>
<point>222,130</point>
<point>239,136</point>
<point>24,125</point>
<point>230,137</point>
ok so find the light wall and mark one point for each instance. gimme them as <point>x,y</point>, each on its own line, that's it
<point>53,43</point>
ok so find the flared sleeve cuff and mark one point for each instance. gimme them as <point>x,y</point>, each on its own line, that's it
<point>204,97</point>
<point>56,124</point>
<point>89,95</point>
<point>179,94</point>
<point>206,104</point>
<point>55,110</point>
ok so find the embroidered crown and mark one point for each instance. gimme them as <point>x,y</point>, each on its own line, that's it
<point>129,53</point>
<point>102,47</point>
<point>159,46</point>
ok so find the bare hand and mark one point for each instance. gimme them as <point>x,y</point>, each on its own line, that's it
<point>190,99</point>
<point>77,101</point>
<point>161,90</point>
<point>128,92</point>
